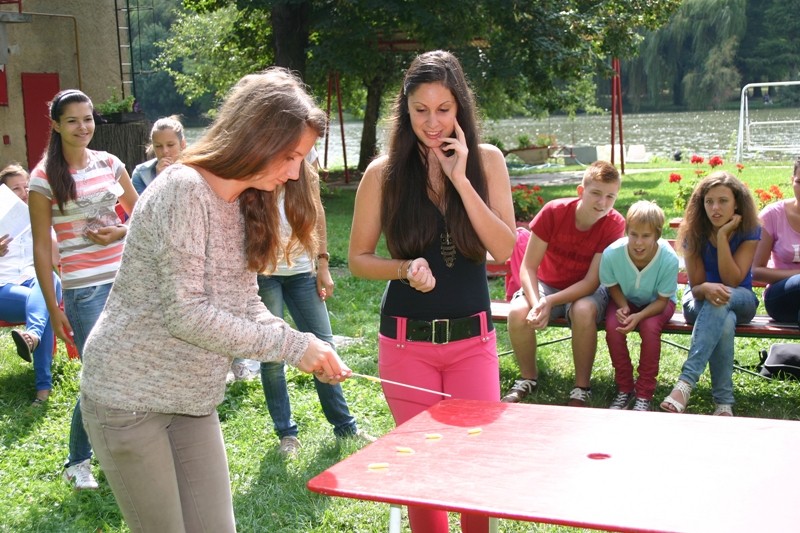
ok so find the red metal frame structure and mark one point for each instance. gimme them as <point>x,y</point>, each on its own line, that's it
<point>333,84</point>
<point>616,113</point>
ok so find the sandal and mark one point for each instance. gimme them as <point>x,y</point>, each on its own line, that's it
<point>671,405</point>
<point>723,409</point>
<point>26,343</point>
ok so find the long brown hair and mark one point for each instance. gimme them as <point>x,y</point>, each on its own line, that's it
<point>408,218</point>
<point>55,166</point>
<point>696,228</point>
<point>262,118</point>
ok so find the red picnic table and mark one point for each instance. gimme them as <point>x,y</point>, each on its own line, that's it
<point>582,467</point>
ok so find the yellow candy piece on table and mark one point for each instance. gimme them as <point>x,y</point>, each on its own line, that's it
<point>474,431</point>
<point>433,436</point>
<point>404,449</point>
<point>377,466</point>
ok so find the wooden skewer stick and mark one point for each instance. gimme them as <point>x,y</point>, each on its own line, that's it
<point>379,380</point>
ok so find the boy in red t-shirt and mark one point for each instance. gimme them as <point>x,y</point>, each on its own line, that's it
<point>560,277</point>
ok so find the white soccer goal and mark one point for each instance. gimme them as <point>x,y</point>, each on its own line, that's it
<point>765,135</point>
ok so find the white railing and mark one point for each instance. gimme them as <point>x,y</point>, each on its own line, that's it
<point>745,139</point>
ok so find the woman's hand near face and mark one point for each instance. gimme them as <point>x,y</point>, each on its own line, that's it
<point>163,163</point>
<point>728,229</point>
<point>454,166</point>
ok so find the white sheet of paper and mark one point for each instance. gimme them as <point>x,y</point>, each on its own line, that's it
<point>14,216</point>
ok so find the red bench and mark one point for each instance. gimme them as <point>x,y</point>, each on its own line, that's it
<point>761,326</point>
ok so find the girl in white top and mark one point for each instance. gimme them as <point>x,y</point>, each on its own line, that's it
<point>21,298</point>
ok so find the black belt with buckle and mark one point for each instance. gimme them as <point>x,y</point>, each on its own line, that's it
<point>439,331</point>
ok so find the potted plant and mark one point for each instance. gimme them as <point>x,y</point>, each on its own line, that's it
<point>536,151</point>
<point>119,110</point>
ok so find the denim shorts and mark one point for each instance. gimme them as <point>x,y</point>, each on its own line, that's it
<point>599,296</point>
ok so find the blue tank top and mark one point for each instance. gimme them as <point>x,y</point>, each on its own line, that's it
<point>712,266</point>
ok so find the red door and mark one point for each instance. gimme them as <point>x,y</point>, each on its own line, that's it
<point>38,89</point>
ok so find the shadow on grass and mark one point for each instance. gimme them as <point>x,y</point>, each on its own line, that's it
<point>16,394</point>
<point>277,499</point>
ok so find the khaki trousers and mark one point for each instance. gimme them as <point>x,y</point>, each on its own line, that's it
<point>168,472</point>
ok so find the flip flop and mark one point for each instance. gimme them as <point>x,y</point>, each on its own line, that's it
<point>24,348</point>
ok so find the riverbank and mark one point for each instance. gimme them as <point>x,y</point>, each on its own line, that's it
<point>565,176</point>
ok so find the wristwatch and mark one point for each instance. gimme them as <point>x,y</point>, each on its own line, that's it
<point>324,255</point>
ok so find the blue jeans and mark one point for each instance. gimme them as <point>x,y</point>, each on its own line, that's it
<point>83,307</point>
<point>299,294</point>
<point>25,303</point>
<point>712,339</point>
<point>782,299</point>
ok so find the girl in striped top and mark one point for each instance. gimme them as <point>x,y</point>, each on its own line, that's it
<point>74,190</point>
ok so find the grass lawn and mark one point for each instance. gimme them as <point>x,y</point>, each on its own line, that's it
<point>269,492</point>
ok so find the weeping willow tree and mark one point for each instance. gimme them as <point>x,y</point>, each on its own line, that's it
<point>692,59</point>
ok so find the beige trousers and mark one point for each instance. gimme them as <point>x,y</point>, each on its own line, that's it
<point>168,472</point>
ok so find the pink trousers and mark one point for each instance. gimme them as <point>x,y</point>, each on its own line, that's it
<point>649,357</point>
<point>464,369</point>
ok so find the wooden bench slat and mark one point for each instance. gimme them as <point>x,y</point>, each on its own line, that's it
<point>760,326</point>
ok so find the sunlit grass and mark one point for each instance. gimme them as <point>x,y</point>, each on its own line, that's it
<point>269,492</point>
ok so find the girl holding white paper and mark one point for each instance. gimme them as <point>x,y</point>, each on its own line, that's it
<point>21,298</point>
<point>74,190</point>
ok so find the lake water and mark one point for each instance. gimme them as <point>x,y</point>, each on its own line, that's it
<point>705,133</point>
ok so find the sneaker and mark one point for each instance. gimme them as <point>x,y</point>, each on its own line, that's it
<point>579,397</point>
<point>360,436</point>
<point>289,446</point>
<point>80,475</point>
<point>243,372</point>
<point>365,437</point>
<point>521,389</point>
<point>642,405</point>
<point>622,400</point>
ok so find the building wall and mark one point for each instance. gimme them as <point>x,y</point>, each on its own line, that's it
<point>47,44</point>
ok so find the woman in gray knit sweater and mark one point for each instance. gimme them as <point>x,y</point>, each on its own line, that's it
<point>185,302</point>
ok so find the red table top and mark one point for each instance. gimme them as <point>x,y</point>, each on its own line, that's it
<point>596,468</point>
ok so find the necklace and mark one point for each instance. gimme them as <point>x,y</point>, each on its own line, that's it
<point>447,248</point>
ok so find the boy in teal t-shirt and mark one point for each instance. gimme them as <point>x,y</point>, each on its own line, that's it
<point>640,272</point>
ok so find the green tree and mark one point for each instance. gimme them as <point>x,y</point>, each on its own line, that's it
<point>155,91</point>
<point>202,53</point>
<point>692,57</point>
<point>522,56</point>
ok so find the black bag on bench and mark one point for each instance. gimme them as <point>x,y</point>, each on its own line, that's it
<point>782,361</point>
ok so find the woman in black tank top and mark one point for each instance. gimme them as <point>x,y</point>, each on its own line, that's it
<point>442,201</point>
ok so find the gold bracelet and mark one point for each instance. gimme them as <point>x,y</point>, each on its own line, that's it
<point>403,280</point>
